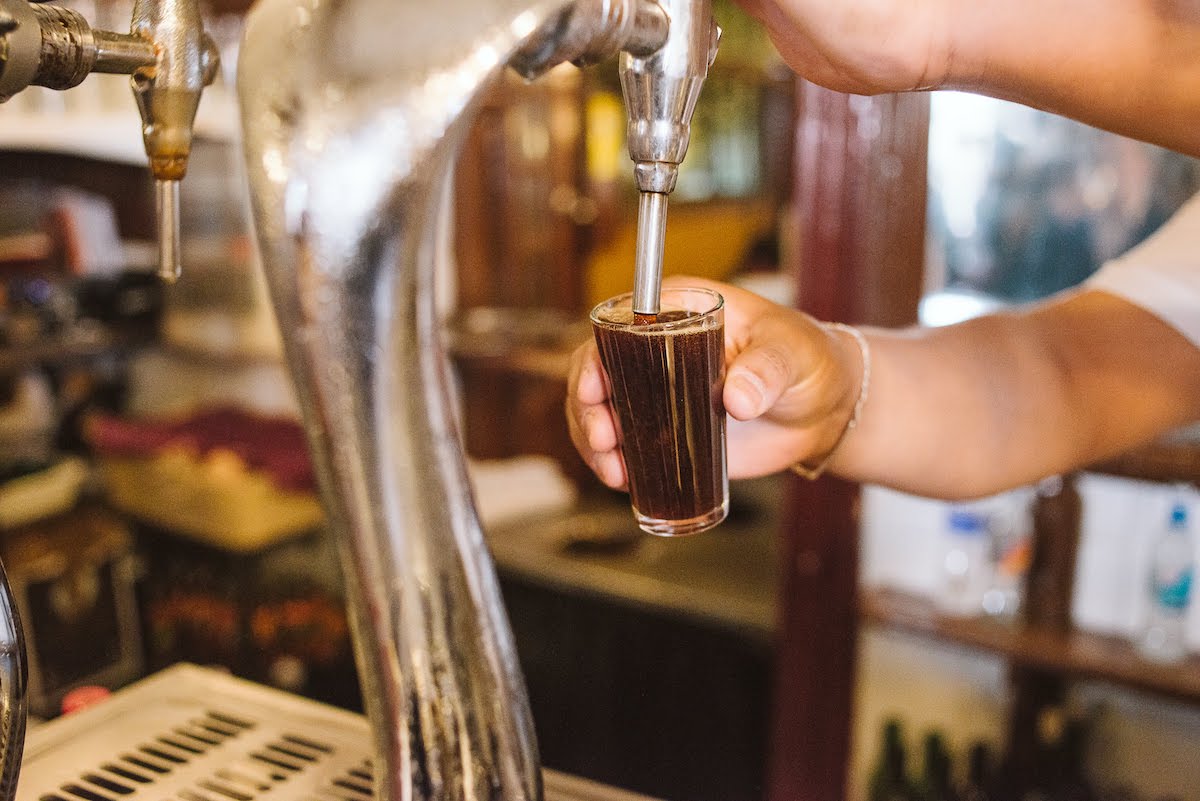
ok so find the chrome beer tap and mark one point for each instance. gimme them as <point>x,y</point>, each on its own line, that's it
<point>661,90</point>
<point>168,54</point>
<point>354,112</point>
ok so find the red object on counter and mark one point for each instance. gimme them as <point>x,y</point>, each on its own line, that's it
<point>83,697</point>
<point>274,445</point>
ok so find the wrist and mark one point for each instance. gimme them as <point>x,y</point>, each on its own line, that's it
<point>854,354</point>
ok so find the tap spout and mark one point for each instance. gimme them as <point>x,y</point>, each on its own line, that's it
<point>168,94</point>
<point>661,89</point>
<point>353,114</point>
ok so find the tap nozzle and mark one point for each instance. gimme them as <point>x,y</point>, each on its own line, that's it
<point>661,89</point>
<point>168,94</point>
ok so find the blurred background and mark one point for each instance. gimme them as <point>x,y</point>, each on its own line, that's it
<point>157,505</point>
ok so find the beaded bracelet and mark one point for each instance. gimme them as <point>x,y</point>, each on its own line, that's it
<point>864,348</point>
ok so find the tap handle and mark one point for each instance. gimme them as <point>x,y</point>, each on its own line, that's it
<point>168,94</point>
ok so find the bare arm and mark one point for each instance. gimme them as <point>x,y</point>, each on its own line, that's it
<point>1130,66</point>
<point>955,412</point>
<point>1007,399</point>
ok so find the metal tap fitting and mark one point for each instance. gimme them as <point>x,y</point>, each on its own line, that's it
<point>590,31</point>
<point>168,54</point>
<point>661,89</point>
<point>55,47</point>
<point>168,95</point>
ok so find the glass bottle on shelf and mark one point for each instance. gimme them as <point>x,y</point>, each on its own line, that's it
<point>889,779</point>
<point>935,784</point>
<point>979,774</point>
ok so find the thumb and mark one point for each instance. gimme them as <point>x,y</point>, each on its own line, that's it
<point>756,379</point>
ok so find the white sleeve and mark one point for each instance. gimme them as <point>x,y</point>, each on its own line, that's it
<point>1162,274</point>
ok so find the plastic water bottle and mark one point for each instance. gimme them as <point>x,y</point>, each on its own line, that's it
<point>967,563</point>
<point>1170,587</point>
<point>1011,529</point>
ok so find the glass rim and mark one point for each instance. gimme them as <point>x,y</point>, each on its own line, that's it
<point>718,304</point>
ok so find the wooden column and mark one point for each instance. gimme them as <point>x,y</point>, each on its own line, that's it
<point>859,220</point>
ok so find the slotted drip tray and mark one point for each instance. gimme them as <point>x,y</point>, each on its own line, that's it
<point>194,734</point>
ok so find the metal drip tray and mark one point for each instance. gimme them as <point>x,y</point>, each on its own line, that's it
<point>194,734</point>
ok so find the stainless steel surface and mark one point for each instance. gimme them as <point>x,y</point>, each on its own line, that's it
<point>648,258</point>
<point>590,31</point>
<point>121,53</point>
<point>168,94</point>
<point>55,47</point>
<point>20,47</point>
<point>14,677</point>
<point>168,54</point>
<point>71,50</point>
<point>222,737</point>
<point>661,90</point>
<point>166,195</point>
<point>353,114</point>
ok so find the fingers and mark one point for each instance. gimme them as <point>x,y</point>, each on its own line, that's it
<point>756,379</point>
<point>589,420</point>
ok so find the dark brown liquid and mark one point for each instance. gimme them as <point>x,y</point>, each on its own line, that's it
<point>666,393</point>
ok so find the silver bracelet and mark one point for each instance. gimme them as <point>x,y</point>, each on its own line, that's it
<point>864,349</point>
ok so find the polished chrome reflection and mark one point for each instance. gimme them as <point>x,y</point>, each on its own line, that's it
<point>14,683</point>
<point>353,112</point>
<point>352,115</point>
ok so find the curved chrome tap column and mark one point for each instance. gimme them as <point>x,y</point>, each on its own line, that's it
<point>14,684</point>
<point>353,112</point>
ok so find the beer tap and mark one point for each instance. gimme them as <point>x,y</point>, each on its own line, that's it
<point>169,56</point>
<point>353,115</point>
<point>661,90</point>
<point>667,47</point>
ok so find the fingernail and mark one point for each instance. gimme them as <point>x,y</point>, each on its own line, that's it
<point>750,386</point>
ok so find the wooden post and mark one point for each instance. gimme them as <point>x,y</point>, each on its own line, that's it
<point>859,218</point>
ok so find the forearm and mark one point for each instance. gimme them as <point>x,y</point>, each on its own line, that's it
<point>1130,66</point>
<point>1008,399</point>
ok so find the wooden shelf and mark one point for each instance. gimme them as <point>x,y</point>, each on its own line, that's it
<point>1168,461</point>
<point>1078,654</point>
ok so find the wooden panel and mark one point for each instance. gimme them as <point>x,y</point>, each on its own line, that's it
<point>521,211</point>
<point>128,188</point>
<point>859,188</point>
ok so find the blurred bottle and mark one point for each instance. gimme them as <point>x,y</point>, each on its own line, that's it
<point>1070,781</point>
<point>935,784</point>
<point>979,774</point>
<point>966,564</point>
<point>1011,531</point>
<point>889,779</point>
<point>1170,589</point>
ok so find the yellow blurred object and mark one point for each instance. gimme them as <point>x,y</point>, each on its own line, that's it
<point>43,494</point>
<point>708,240</point>
<point>215,499</point>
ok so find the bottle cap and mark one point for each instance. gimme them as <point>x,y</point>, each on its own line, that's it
<point>965,521</point>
